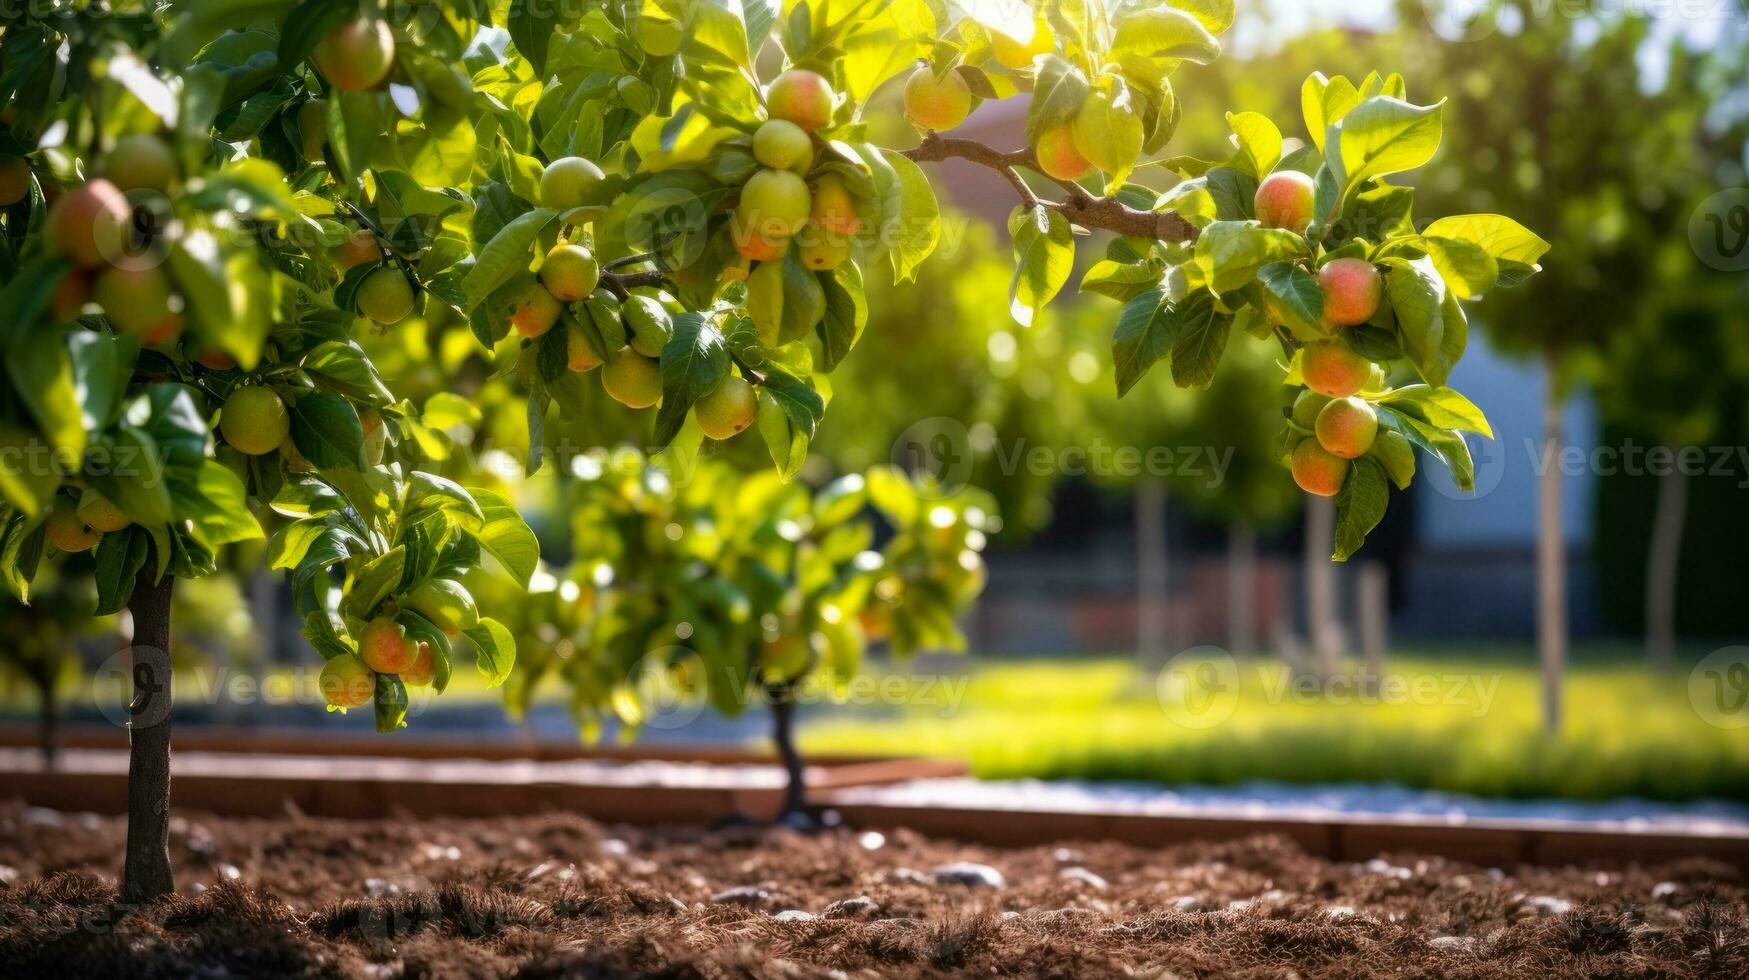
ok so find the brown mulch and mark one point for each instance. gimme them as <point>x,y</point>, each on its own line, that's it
<point>561,896</point>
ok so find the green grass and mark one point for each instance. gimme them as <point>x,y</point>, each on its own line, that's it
<point>1628,732</point>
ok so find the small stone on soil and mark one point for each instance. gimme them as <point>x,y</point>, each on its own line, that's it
<point>1453,944</point>
<point>748,895</point>
<point>1083,876</point>
<point>858,907</point>
<point>795,915</point>
<point>872,840</point>
<point>970,874</point>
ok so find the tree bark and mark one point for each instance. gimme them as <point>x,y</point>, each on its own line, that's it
<point>1241,588</point>
<point>783,711</point>
<point>1151,579</point>
<point>1551,559</point>
<point>146,869</point>
<point>1323,631</point>
<point>1663,566</point>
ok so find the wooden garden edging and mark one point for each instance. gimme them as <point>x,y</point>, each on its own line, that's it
<point>250,772</point>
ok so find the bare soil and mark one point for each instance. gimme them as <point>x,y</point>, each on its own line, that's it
<point>560,896</point>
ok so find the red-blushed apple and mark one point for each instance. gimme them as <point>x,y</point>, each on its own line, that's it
<point>802,97</point>
<point>1057,155</point>
<point>1318,472</point>
<point>1352,289</point>
<point>1347,427</point>
<point>1285,199</point>
<point>1330,368</point>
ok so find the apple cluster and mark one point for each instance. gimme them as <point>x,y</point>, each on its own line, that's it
<point>1343,426</point>
<point>385,647</point>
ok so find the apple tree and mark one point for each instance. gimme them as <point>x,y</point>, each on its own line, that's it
<point>208,202</point>
<point>704,581</point>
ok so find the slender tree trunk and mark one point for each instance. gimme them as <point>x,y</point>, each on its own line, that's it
<point>783,713</point>
<point>1323,631</point>
<point>1241,588</point>
<point>1663,566</point>
<point>48,721</point>
<point>1151,586</point>
<point>146,872</point>
<point>1374,618</point>
<point>1551,558</point>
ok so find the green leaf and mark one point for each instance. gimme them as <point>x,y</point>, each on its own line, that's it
<point>326,430</point>
<point>1429,319</point>
<point>342,366</point>
<point>1324,101</point>
<point>1216,15</point>
<point>28,477</point>
<point>919,219</point>
<point>789,413</point>
<point>496,650</point>
<point>1443,444</point>
<point>1145,333</point>
<point>1509,243</point>
<point>846,314</point>
<point>41,371</point>
<point>1360,505</point>
<point>1379,137</point>
<point>694,361</point>
<point>217,504</point>
<point>1163,32</point>
<point>1293,297</point>
<point>375,582</point>
<point>1258,142</point>
<point>1044,255</point>
<point>1201,338</point>
<point>511,251</point>
<point>1230,253</point>
<point>1108,131</point>
<point>120,556</point>
<point>1393,451</point>
<point>288,546</point>
<point>1121,281</point>
<point>507,536</point>
<point>1442,408</point>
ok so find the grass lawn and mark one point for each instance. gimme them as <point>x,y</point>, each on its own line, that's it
<point>1465,723</point>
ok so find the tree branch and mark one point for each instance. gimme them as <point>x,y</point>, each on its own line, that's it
<point>1101,213</point>
<point>620,284</point>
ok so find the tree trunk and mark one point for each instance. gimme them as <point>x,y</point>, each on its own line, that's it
<point>1551,559</point>
<point>1151,586</point>
<point>1374,619</point>
<point>1241,588</point>
<point>1663,566</point>
<point>48,721</point>
<point>783,711</point>
<point>1323,631</point>
<point>146,870</point>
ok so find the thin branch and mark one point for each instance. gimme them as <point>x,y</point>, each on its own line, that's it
<point>1101,213</point>
<point>630,260</point>
<point>621,284</point>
